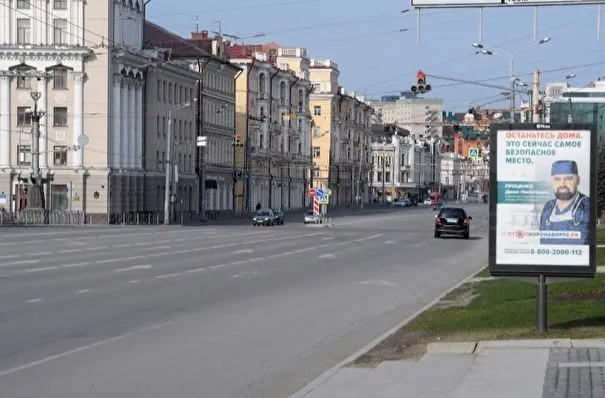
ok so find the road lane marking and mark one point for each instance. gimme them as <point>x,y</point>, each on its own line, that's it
<point>10,256</point>
<point>40,254</point>
<point>117,260</point>
<point>183,251</point>
<point>326,255</point>
<point>167,275</point>
<point>74,265</point>
<point>134,281</point>
<point>36,300</point>
<point>83,291</point>
<point>217,266</point>
<point>368,238</point>
<point>71,251</point>
<point>80,349</point>
<point>196,270</point>
<point>41,269</point>
<point>20,262</point>
<point>133,268</point>
<point>242,251</point>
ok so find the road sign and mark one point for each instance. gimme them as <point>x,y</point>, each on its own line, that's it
<point>312,192</point>
<point>327,192</point>
<point>202,141</point>
<point>324,200</point>
<point>473,152</point>
<point>319,193</point>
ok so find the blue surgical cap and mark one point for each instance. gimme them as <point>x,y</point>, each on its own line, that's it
<point>564,167</point>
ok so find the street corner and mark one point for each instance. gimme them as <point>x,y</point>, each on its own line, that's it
<point>462,347</point>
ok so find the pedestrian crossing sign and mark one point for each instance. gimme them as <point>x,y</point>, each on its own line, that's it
<point>473,153</point>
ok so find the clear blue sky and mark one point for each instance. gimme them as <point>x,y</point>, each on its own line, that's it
<point>375,59</point>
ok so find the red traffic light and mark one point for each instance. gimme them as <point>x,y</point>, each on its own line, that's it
<point>420,75</point>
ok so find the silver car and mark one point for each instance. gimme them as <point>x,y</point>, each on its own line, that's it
<point>311,218</point>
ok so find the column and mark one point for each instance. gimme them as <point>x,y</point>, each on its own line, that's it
<point>116,120</point>
<point>132,116</point>
<point>5,121</point>
<point>124,124</point>
<point>139,125</point>
<point>43,142</point>
<point>78,159</point>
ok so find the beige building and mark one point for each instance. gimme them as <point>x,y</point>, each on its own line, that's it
<point>273,122</point>
<point>73,53</point>
<point>341,136</point>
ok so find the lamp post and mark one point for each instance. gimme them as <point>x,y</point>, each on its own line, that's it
<point>35,200</point>
<point>511,60</point>
<point>168,191</point>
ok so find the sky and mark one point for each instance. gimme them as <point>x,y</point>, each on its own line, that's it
<point>375,58</point>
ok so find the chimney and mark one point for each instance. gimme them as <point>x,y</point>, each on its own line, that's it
<point>200,36</point>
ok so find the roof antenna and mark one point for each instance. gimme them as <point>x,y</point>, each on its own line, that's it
<point>197,24</point>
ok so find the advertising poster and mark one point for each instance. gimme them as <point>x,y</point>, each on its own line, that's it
<point>544,185</point>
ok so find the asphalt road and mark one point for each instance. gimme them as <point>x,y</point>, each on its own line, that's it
<point>214,311</point>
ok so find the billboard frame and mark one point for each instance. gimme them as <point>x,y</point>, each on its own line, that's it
<point>504,3</point>
<point>541,271</point>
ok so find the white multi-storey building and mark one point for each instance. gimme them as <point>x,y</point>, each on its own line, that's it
<point>423,117</point>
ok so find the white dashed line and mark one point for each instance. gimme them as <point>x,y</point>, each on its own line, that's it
<point>218,266</point>
<point>183,251</point>
<point>238,262</point>
<point>242,251</point>
<point>83,291</point>
<point>71,251</point>
<point>75,265</point>
<point>252,260</point>
<point>20,263</point>
<point>10,256</point>
<point>196,270</point>
<point>39,254</point>
<point>41,269</point>
<point>134,267</point>
<point>134,281</point>
<point>37,300</point>
<point>167,275</point>
<point>327,255</point>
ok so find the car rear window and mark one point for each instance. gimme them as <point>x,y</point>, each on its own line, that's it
<point>452,213</point>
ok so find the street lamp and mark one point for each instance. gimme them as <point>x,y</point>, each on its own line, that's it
<point>168,194</point>
<point>511,59</point>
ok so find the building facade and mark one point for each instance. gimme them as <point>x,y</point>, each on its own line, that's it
<point>423,117</point>
<point>341,130</point>
<point>272,121</point>
<point>580,105</point>
<point>72,55</point>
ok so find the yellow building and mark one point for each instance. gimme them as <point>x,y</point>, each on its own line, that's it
<point>272,125</point>
<point>340,137</point>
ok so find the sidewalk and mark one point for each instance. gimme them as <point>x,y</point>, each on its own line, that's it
<point>560,368</point>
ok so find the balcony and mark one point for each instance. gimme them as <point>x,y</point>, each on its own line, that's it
<point>261,153</point>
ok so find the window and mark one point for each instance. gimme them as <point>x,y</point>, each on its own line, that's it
<point>282,93</point>
<point>316,151</point>
<point>387,176</point>
<point>60,79</point>
<point>60,31</point>
<point>60,155</point>
<point>60,4</point>
<point>262,83</point>
<point>23,31</point>
<point>317,110</point>
<point>59,197</point>
<point>60,116</point>
<point>23,81</point>
<point>23,4</point>
<point>24,117</point>
<point>24,155</point>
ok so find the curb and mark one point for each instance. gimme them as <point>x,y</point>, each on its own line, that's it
<point>309,388</point>
<point>477,346</point>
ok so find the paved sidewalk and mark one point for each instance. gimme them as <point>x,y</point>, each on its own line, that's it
<point>560,368</point>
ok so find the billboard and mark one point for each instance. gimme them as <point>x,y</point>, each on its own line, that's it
<point>543,199</point>
<point>498,3</point>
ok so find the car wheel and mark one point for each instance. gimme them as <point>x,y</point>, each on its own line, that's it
<point>467,235</point>
<point>437,234</point>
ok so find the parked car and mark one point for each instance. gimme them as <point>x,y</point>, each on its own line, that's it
<point>453,221</point>
<point>263,217</point>
<point>311,218</point>
<point>278,217</point>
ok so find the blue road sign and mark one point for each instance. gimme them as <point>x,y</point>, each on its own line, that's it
<point>319,193</point>
<point>473,153</point>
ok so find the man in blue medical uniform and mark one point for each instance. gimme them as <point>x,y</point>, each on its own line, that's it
<point>570,210</point>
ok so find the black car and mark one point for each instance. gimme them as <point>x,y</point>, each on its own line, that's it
<point>452,221</point>
<point>264,217</point>
<point>278,217</point>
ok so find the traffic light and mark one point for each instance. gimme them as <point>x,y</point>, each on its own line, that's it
<point>421,86</point>
<point>237,140</point>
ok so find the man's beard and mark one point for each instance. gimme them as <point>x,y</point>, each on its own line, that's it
<point>564,194</point>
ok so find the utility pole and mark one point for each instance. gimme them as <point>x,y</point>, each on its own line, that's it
<point>536,97</point>
<point>169,194</point>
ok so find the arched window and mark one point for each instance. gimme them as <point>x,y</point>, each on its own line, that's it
<point>301,100</point>
<point>262,85</point>
<point>282,93</point>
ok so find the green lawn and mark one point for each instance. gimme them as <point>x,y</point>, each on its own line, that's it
<point>499,309</point>
<point>506,309</point>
